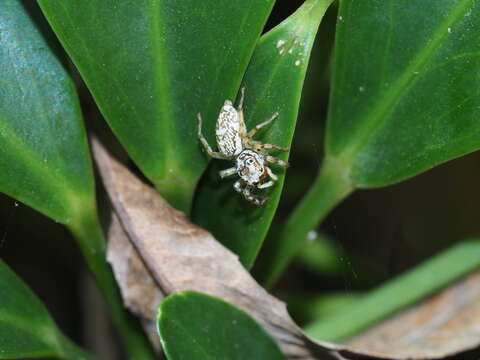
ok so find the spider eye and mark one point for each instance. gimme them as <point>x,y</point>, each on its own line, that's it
<point>249,161</point>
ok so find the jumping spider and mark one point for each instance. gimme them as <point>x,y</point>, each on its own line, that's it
<point>250,156</point>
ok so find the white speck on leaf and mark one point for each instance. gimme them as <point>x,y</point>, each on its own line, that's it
<point>312,235</point>
<point>290,51</point>
<point>340,18</point>
<point>280,43</point>
<point>361,88</point>
<point>298,62</point>
<point>282,51</point>
<point>449,30</point>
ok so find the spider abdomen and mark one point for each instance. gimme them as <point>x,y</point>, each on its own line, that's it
<point>229,141</point>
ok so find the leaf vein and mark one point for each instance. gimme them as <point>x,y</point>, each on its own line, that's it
<point>379,114</point>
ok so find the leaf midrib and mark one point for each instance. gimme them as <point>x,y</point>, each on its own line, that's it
<point>48,330</point>
<point>33,161</point>
<point>375,118</point>
<point>162,86</point>
<point>30,327</point>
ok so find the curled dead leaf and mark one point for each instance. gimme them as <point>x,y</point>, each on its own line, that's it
<point>139,291</point>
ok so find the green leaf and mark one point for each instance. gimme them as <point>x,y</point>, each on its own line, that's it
<point>152,65</point>
<point>412,100</point>
<point>399,293</point>
<point>44,158</point>
<point>273,83</point>
<point>404,98</point>
<point>193,325</point>
<point>26,327</point>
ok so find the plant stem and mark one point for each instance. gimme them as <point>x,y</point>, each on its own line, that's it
<point>331,186</point>
<point>399,293</point>
<point>89,235</point>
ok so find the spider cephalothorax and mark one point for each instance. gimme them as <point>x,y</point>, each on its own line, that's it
<point>250,166</point>
<point>250,156</point>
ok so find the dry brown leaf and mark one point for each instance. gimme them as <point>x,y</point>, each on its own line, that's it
<point>139,291</point>
<point>443,325</point>
<point>162,253</point>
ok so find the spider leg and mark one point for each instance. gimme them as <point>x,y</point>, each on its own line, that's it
<point>241,120</point>
<point>270,183</point>
<point>245,191</point>
<point>242,97</point>
<point>271,174</point>
<point>266,185</point>
<point>256,200</point>
<point>205,144</point>
<point>238,186</point>
<point>257,145</point>
<point>228,172</point>
<point>274,160</point>
<point>252,132</point>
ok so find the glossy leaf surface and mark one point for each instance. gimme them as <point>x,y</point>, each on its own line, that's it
<point>44,159</point>
<point>152,65</point>
<point>193,325</point>
<point>26,328</point>
<point>405,87</point>
<point>273,83</point>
